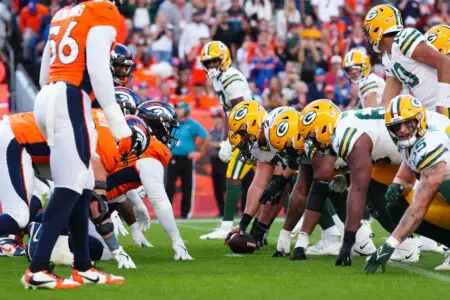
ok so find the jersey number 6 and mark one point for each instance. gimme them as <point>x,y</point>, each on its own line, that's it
<point>68,48</point>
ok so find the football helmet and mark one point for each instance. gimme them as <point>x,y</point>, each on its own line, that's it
<point>161,119</point>
<point>218,52</point>
<point>402,109</point>
<point>122,65</point>
<point>127,99</point>
<point>245,125</point>
<point>380,20</point>
<point>138,126</point>
<point>283,131</point>
<point>318,122</point>
<point>439,37</point>
<point>354,59</point>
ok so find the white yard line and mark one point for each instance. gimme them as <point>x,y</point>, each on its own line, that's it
<point>420,271</point>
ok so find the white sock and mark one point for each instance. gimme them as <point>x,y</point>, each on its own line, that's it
<point>331,234</point>
<point>302,240</point>
<point>338,223</point>
<point>226,225</point>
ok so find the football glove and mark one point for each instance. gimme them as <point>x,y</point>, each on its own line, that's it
<point>123,259</point>
<point>181,252</point>
<point>274,190</point>
<point>299,254</point>
<point>226,149</point>
<point>339,183</point>
<point>142,217</point>
<point>118,225</point>
<point>345,255</point>
<point>127,145</point>
<point>393,192</point>
<point>138,237</point>
<point>380,258</point>
<point>284,244</point>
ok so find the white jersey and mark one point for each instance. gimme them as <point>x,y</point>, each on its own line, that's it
<point>230,85</point>
<point>420,79</point>
<point>432,148</point>
<point>354,123</point>
<point>371,84</point>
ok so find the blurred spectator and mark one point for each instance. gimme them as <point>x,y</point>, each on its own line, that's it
<point>143,91</point>
<point>183,158</point>
<point>5,18</point>
<point>178,13</point>
<point>184,82</point>
<point>273,96</point>
<point>280,49</point>
<point>198,72</point>
<point>264,66</point>
<point>162,38</point>
<point>167,96</point>
<point>356,39</point>
<point>324,9</point>
<point>221,30</point>
<point>310,30</point>
<point>191,34</point>
<point>218,167</point>
<point>238,24</point>
<point>357,6</point>
<point>332,93</point>
<point>342,87</point>
<point>310,57</point>
<point>289,85</point>
<point>257,10</point>
<point>199,99</point>
<point>256,94</point>
<point>242,55</point>
<point>411,10</point>
<point>141,16</point>
<point>301,91</point>
<point>286,16</point>
<point>316,87</point>
<point>29,22</point>
<point>331,76</point>
<point>353,101</point>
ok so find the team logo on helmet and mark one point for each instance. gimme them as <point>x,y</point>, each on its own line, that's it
<point>432,37</point>
<point>241,113</point>
<point>282,128</point>
<point>309,118</point>
<point>416,103</point>
<point>222,47</point>
<point>371,15</point>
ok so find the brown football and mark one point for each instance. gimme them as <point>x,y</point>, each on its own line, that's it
<point>242,243</point>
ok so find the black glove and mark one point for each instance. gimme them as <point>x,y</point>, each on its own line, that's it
<point>299,254</point>
<point>345,255</point>
<point>258,231</point>
<point>274,190</point>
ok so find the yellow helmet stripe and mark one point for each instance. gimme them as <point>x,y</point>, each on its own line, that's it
<point>348,135</point>
<point>396,14</point>
<point>431,157</point>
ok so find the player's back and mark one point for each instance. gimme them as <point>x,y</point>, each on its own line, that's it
<point>68,37</point>
<point>419,78</point>
<point>353,124</point>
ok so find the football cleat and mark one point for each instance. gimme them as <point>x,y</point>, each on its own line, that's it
<point>46,280</point>
<point>408,251</point>
<point>364,245</point>
<point>10,246</point>
<point>324,247</point>
<point>94,276</point>
<point>219,233</point>
<point>445,266</point>
<point>426,244</point>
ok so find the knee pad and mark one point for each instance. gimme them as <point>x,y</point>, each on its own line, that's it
<point>101,227</point>
<point>317,195</point>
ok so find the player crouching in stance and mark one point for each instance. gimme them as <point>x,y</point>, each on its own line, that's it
<point>424,146</point>
<point>260,137</point>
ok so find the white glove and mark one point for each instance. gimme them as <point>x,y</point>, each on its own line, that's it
<point>123,259</point>
<point>142,216</point>
<point>118,225</point>
<point>141,191</point>
<point>226,149</point>
<point>181,252</point>
<point>284,242</point>
<point>138,237</point>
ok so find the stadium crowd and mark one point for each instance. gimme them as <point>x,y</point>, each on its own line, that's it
<point>291,51</point>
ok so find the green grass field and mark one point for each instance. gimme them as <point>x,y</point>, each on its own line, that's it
<point>216,274</point>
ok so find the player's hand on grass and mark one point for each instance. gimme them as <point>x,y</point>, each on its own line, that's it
<point>138,237</point>
<point>123,259</point>
<point>142,217</point>
<point>345,254</point>
<point>379,258</point>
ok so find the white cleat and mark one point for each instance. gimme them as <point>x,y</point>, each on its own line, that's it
<point>324,247</point>
<point>408,251</point>
<point>445,266</point>
<point>94,276</point>
<point>181,252</point>
<point>61,254</point>
<point>426,244</point>
<point>46,280</point>
<point>364,245</point>
<point>219,233</point>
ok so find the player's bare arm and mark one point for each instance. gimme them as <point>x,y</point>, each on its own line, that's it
<point>392,89</point>
<point>405,177</point>
<point>371,100</point>
<point>430,180</point>
<point>259,183</point>
<point>360,164</point>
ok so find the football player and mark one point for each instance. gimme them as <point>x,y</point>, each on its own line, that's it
<point>75,69</point>
<point>359,139</point>
<point>259,137</point>
<point>146,168</point>
<point>423,142</point>
<point>358,70</point>
<point>231,87</point>
<point>122,65</point>
<point>408,59</point>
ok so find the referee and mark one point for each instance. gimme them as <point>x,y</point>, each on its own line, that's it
<point>183,155</point>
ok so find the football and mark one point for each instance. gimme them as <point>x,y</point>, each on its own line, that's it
<point>242,243</point>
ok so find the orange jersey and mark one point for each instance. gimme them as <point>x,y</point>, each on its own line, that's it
<point>126,177</point>
<point>106,143</point>
<point>29,135</point>
<point>68,36</point>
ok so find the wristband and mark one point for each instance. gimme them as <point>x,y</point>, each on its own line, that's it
<point>392,241</point>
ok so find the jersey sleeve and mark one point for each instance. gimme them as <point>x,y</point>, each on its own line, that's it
<point>430,155</point>
<point>158,151</point>
<point>344,140</point>
<point>367,86</point>
<point>407,40</point>
<point>236,86</point>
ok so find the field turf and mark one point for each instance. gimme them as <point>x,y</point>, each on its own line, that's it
<point>216,274</point>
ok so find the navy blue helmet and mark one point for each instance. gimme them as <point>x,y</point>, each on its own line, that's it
<point>127,99</point>
<point>122,65</point>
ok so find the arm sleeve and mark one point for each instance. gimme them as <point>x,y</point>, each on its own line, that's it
<point>98,45</point>
<point>45,66</point>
